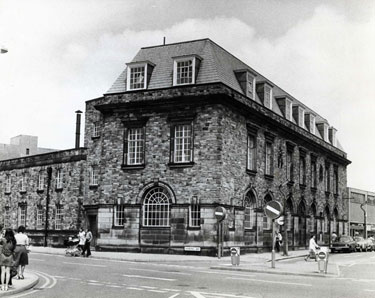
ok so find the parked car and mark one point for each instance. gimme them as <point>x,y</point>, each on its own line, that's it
<point>362,244</point>
<point>344,243</point>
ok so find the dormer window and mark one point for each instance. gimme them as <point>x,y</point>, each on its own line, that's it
<point>251,86</point>
<point>185,70</point>
<point>310,122</point>
<point>286,107</point>
<point>246,79</point>
<point>138,75</point>
<point>299,115</point>
<point>264,91</point>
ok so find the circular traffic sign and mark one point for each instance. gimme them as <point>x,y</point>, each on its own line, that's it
<point>322,255</point>
<point>220,213</point>
<point>273,209</point>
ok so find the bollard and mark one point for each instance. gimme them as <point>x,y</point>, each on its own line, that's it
<point>235,256</point>
<point>323,260</point>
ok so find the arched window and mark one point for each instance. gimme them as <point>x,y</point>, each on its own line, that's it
<point>250,215</point>
<point>288,212</point>
<point>325,220</point>
<point>334,221</point>
<point>312,218</point>
<point>156,207</point>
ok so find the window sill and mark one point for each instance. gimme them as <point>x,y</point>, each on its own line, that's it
<point>22,192</point>
<point>249,229</point>
<point>118,227</point>
<point>39,190</point>
<point>58,189</point>
<point>193,228</point>
<point>181,165</point>
<point>290,183</point>
<point>7,193</point>
<point>251,172</point>
<point>95,137</point>
<point>155,228</point>
<point>93,186</point>
<point>132,167</point>
<point>268,177</point>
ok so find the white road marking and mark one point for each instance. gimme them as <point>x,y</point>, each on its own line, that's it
<point>148,277</point>
<point>113,286</point>
<point>94,284</point>
<point>148,287</point>
<point>151,270</point>
<point>216,295</point>
<point>368,290</point>
<point>175,295</point>
<point>157,291</point>
<point>226,273</point>
<point>138,289</point>
<point>171,290</point>
<point>271,281</point>
<point>93,281</point>
<point>197,295</point>
<point>84,264</point>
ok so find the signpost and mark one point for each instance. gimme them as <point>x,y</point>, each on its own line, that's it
<point>220,213</point>
<point>273,210</point>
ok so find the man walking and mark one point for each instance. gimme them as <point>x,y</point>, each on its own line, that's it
<point>87,243</point>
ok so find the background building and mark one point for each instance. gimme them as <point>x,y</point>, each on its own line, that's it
<point>20,146</point>
<point>361,211</point>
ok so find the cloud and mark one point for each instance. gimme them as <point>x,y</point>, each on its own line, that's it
<point>63,57</point>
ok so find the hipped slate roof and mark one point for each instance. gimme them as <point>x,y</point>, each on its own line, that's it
<point>217,66</point>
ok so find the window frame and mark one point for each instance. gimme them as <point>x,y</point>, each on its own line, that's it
<point>119,215</point>
<point>39,217</point>
<point>131,67</point>
<point>40,181</point>
<point>250,215</point>
<point>127,145</point>
<point>160,216</point>
<point>251,156</point>
<point>93,179</point>
<point>8,184</point>
<point>302,169</point>
<point>195,219</point>
<point>22,215</point>
<point>95,130</point>
<point>58,224</point>
<point>23,183</point>
<point>189,147</point>
<point>195,60</point>
<point>267,101</point>
<point>269,158</point>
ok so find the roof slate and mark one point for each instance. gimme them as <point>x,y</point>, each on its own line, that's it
<point>217,65</point>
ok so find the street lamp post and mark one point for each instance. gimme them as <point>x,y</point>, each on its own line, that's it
<point>364,207</point>
<point>285,229</point>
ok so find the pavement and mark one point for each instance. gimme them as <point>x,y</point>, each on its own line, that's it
<point>292,264</point>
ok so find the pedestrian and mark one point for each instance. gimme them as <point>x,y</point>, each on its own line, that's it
<point>279,241</point>
<point>312,248</point>
<point>334,237</point>
<point>8,243</point>
<point>87,243</point>
<point>82,240</point>
<point>21,257</point>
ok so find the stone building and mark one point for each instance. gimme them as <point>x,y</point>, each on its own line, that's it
<point>44,193</point>
<point>186,128</point>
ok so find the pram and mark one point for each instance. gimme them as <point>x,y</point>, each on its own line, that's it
<point>73,249</point>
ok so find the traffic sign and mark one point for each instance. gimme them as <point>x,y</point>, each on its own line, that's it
<point>220,213</point>
<point>280,221</point>
<point>273,209</point>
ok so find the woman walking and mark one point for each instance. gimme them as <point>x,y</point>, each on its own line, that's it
<point>82,240</point>
<point>8,243</point>
<point>21,255</point>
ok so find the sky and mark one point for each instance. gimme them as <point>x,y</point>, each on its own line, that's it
<point>63,53</point>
